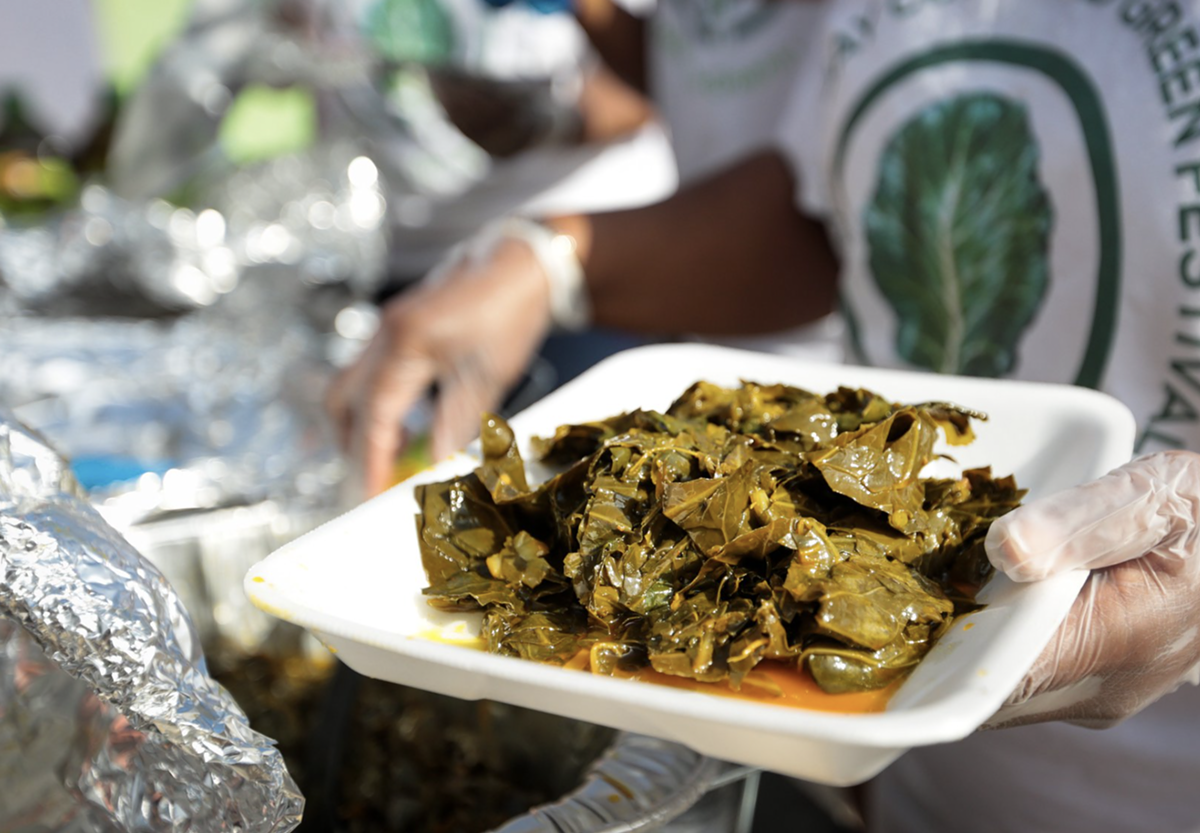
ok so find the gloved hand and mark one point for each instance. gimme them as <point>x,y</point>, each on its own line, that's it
<point>1133,634</point>
<point>471,327</point>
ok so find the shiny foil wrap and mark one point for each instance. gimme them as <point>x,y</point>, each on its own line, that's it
<point>200,437</point>
<point>644,784</point>
<point>108,718</point>
<point>197,413</point>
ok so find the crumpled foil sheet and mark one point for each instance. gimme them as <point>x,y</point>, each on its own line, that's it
<point>200,438</point>
<point>178,358</point>
<point>319,215</point>
<point>108,719</point>
<point>196,344</point>
<point>190,415</point>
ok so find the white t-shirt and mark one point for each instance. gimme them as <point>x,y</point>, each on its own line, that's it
<point>1014,186</point>
<point>720,73</point>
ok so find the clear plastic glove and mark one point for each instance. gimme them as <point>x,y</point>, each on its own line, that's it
<point>1133,635</point>
<point>470,329</point>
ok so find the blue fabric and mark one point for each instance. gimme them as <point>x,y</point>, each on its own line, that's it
<point>543,6</point>
<point>99,471</point>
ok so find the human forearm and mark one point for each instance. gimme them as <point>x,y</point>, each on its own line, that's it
<point>618,37</point>
<point>728,256</point>
<point>609,109</point>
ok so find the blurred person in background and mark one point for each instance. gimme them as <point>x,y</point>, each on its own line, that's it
<point>541,124</point>
<point>718,75</point>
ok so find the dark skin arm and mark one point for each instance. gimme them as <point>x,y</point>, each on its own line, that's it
<point>609,108</point>
<point>740,260</point>
<point>506,118</point>
<point>742,222</point>
<point>618,37</point>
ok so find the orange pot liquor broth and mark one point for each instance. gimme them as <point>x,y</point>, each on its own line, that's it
<point>779,684</point>
<point>770,682</point>
<point>774,683</point>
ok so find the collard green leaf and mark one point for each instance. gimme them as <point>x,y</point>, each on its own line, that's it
<point>610,656</point>
<point>959,234</point>
<point>839,669</point>
<point>954,421</point>
<point>458,526</point>
<point>805,538</point>
<point>608,525</point>
<point>870,603</point>
<point>879,466</point>
<point>520,560</point>
<point>503,470</point>
<point>713,511</point>
<point>780,644</point>
<point>473,590</point>
<point>854,407</point>
<point>693,638</point>
<point>649,573</point>
<point>553,636</point>
<point>780,413</point>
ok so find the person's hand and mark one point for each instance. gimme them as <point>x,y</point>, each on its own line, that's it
<point>1133,635</point>
<point>470,328</point>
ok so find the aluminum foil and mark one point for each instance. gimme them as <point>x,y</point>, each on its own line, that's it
<point>318,215</point>
<point>643,784</point>
<point>108,718</point>
<point>190,415</point>
<point>177,354</point>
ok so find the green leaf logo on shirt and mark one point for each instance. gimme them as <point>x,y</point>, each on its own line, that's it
<point>958,231</point>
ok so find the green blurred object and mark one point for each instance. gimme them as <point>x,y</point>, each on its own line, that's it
<point>410,30</point>
<point>33,178</point>
<point>264,122</point>
<point>132,33</point>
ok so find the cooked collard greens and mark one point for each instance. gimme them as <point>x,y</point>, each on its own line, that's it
<point>758,523</point>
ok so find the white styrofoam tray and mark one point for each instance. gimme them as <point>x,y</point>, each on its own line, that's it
<point>356,581</point>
